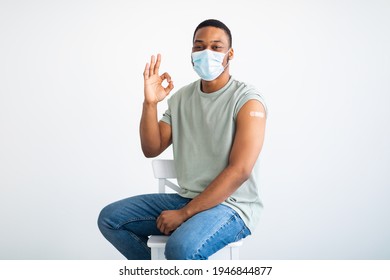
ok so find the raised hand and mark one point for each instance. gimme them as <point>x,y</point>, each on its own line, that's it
<point>153,88</point>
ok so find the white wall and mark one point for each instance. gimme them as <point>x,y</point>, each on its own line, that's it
<point>71,91</point>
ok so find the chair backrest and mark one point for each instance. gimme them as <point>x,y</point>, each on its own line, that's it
<point>163,170</point>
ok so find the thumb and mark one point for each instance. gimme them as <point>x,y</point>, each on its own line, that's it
<point>169,87</point>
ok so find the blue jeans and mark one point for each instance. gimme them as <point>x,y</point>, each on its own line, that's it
<point>128,223</point>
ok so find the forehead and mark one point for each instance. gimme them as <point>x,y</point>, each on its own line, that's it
<point>211,33</point>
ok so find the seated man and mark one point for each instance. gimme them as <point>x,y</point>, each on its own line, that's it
<point>216,126</point>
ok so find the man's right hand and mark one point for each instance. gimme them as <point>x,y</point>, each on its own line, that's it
<point>153,88</point>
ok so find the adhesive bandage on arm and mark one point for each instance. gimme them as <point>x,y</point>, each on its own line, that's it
<point>256,114</point>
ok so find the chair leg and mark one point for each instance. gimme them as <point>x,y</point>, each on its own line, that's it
<point>154,253</point>
<point>234,253</point>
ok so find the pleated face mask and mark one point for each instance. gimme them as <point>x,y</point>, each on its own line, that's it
<point>208,64</point>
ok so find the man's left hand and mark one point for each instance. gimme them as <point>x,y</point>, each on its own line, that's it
<point>170,220</point>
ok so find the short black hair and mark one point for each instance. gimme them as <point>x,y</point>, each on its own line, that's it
<point>214,23</point>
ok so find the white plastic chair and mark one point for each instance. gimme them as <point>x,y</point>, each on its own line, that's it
<point>164,170</point>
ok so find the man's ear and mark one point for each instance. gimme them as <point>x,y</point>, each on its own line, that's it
<point>231,54</point>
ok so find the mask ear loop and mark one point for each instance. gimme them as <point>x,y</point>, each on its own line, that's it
<point>228,60</point>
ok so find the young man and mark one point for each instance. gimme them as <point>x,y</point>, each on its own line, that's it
<point>216,126</point>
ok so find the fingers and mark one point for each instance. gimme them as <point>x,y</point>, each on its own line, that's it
<point>161,226</point>
<point>153,67</point>
<point>152,64</point>
<point>158,62</point>
<point>166,76</point>
<point>170,86</point>
<point>146,71</point>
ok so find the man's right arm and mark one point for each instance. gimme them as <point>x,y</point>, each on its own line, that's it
<point>155,136</point>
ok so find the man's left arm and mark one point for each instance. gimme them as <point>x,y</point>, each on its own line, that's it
<point>248,141</point>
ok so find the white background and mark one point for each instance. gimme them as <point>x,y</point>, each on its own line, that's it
<point>71,92</point>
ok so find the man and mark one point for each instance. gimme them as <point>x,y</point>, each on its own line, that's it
<point>216,126</point>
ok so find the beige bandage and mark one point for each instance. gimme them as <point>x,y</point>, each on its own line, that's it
<point>256,114</point>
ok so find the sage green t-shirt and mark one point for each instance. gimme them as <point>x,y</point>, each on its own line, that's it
<point>203,128</point>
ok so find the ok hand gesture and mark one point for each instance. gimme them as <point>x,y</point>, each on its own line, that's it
<point>153,88</point>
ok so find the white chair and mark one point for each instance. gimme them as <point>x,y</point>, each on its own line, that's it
<point>163,171</point>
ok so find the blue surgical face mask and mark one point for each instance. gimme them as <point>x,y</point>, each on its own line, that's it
<point>208,64</point>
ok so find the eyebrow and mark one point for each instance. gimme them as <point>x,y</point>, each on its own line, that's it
<point>212,41</point>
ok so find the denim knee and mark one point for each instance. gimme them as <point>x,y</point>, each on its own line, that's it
<point>103,220</point>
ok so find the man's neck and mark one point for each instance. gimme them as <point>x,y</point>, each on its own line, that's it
<point>217,84</point>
